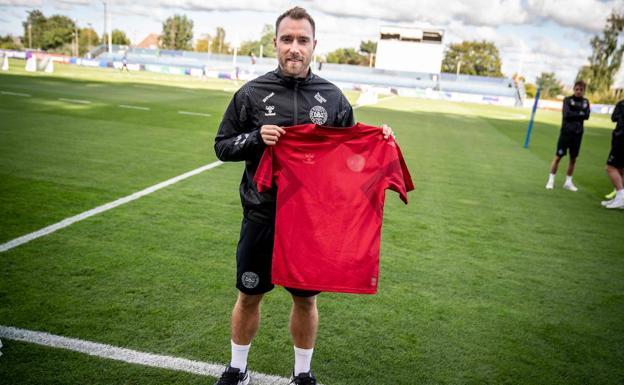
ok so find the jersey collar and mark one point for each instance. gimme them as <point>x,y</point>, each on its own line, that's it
<point>290,80</point>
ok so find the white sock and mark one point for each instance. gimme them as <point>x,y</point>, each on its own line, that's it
<point>568,179</point>
<point>551,178</point>
<point>303,359</point>
<point>239,356</point>
<point>619,194</point>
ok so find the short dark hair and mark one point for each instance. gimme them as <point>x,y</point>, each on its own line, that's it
<point>296,13</point>
<point>580,83</point>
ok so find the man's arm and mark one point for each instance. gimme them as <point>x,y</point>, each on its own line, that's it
<point>587,111</point>
<point>236,140</point>
<point>618,115</point>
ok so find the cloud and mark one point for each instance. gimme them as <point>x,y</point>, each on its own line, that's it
<point>22,3</point>
<point>586,15</point>
<point>475,12</point>
<point>75,2</point>
<point>224,5</point>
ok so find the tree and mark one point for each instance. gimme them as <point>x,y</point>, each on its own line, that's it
<point>177,33</point>
<point>606,56</point>
<point>87,39</point>
<point>530,90</point>
<point>10,42</point>
<point>37,22</point>
<point>266,42</point>
<point>48,33</point>
<point>59,30</point>
<point>549,84</point>
<point>369,47</point>
<point>474,58</point>
<point>118,38</point>
<point>218,44</point>
<point>346,56</point>
<point>201,44</point>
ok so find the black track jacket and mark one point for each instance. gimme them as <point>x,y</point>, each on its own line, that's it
<point>283,101</point>
<point>575,112</point>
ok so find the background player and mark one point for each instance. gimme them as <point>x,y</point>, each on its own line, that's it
<point>615,162</point>
<point>575,111</point>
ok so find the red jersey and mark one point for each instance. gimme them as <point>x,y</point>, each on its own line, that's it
<point>331,185</point>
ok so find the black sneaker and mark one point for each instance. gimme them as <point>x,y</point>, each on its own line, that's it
<point>233,376</point>
<point>303,379</point>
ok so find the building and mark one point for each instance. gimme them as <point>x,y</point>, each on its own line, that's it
<point>150,42</point>
<point>410,49</point>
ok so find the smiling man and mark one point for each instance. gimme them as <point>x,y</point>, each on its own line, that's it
<point>255,118</point>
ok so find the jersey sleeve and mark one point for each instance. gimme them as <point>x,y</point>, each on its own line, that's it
<point>398,178</point>
<point>264,173</point>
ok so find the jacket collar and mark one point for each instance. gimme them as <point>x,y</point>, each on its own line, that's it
<point>290,80</point>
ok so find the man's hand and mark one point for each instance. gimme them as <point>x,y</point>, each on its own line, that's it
<point>387,131</point>
<point>271,134</point>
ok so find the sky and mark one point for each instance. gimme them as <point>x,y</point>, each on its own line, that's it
<point>533,36</point>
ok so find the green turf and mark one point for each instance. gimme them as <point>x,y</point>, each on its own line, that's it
<point>486,277</point>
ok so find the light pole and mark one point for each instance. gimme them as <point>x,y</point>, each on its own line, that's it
<point>29,35</point>
<point>107,28</point>
<point>76,50</point>
<point>89,37</point>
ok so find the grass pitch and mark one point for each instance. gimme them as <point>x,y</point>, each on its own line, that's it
<point>486,277</point>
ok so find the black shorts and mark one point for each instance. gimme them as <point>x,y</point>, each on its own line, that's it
<point>616,155</point>
<point>571,142</point>
<point>253,260</point>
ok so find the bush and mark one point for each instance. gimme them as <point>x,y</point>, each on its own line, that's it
<point>530,90</point>
<point>602,97</point>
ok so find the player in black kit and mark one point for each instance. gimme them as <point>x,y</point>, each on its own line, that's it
<point>615,161</point>
<point>575,111</point>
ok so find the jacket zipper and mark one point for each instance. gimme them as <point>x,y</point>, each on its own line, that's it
<point>295,102</point>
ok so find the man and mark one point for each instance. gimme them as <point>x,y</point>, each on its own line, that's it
<point>575,112</point>
<point>255,118</point>
<point>615,161</point>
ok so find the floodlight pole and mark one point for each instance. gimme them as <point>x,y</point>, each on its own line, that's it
<point>105,21</point>
<point>76,50</point>
<point>110,33</point>
<point>530,128</point>
<point>107,28</point>
<point>89,37</point>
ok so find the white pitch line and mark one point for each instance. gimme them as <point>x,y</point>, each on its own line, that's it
<point>193,113</point>
<point>130,356</point>
<point>100,209</point>
<point>15,93</point>
<point>81,101</point>
<point>134,107</point>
